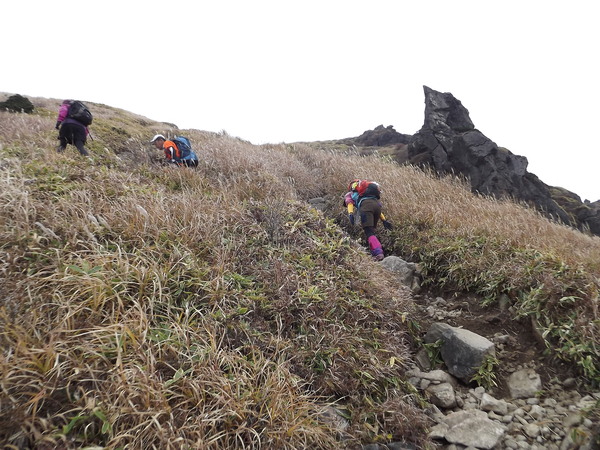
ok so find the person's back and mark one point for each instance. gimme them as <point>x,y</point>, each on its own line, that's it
<point>363,196</point>
<point>71,131</point>
<point>62,112</point>
<point>173,153</point>
<point>186,155</point>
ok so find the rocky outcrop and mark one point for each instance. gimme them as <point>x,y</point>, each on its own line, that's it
<point>586,214</point>
<point>379,136</point>
<point>17,103</point>
<point>590,215</point>
<point>450,143</point>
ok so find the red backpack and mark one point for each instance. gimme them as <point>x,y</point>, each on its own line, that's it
<point>367,188</point>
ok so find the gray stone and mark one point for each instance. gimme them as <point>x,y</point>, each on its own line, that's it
<point>422,359</point>
<point>462,350</point>
<point>442,395</point>
<point>438,431</point>
<point>405,270</point>
<point>473,428</point>
<point>489,403</point>
<point>332,417</point>
<point>524,383</point>
<point>532,430</point>
<point>318,203</point>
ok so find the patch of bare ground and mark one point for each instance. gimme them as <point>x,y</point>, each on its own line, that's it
<point>521,346</point>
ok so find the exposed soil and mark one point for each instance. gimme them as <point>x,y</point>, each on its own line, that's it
<point>523,346</point>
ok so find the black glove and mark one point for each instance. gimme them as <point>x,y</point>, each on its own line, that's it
<point>351,217</point>
<point>57,125</point>
<point>387,225</point>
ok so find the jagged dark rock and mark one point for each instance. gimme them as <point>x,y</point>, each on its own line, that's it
<point>381,136</point>
<point>586,213</point>
<point>449,143</point>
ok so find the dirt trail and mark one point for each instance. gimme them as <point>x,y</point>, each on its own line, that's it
<point>521,346</point>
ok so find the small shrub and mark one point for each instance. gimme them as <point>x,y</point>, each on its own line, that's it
<point>17,103</point>
<point>486,373</point>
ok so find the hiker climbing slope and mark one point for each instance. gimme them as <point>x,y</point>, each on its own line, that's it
<point>363,198</point>
<point>177,151</point>
<point>72,122</point>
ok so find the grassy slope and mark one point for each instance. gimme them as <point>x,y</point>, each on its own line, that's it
<point>147,306</point>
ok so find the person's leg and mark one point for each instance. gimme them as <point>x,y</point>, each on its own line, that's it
<point>62,138</point>
<point>374,244</point>
<point>376,213</point>
<point>80,146</point>
<point>368,220</point>
<point>79,138</point>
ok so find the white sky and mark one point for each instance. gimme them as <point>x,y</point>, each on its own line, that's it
<point>272,71</point>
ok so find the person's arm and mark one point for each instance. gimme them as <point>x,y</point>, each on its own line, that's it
<point>386,224</point>
<point>170,152</point>
<point>62,114</point>
<point>350,206</point>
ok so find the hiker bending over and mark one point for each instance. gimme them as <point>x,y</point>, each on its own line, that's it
<point>177,151</point>
<point>363,197</point>
<point>72,123</point>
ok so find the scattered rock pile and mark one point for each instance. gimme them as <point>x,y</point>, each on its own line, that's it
<point>472,417</point>
<point>532,405</point>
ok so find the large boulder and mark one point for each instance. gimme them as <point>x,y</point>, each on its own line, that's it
<point>462,351</point>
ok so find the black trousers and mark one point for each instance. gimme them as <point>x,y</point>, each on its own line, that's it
<point>74,134</point>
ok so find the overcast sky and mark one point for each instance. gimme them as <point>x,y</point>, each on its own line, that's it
<point>272,71</point>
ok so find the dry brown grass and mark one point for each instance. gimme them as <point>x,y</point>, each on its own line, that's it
<point>163,308</point>
<point>145,306</point>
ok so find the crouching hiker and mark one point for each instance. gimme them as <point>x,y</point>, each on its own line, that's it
<point>363,197</point>
<point>177,151</point>
<point>72,122</point>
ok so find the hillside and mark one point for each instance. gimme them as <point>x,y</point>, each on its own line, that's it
<point>449,143</point>
<point>146,306</point>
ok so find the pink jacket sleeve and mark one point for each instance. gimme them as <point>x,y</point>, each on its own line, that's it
<point>62,112</point>
<point>348,198</point>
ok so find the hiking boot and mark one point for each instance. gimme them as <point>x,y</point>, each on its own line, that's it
<point>378,257</point>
